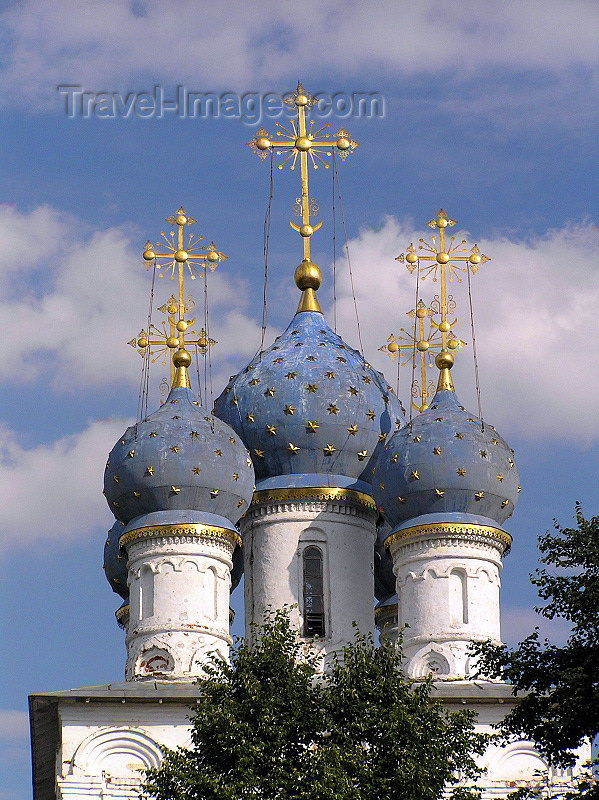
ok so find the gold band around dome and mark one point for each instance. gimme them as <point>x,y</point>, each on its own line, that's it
<point>449,529</point>
<point>121,612</point>
<point>192,529</point>
<point>316,494</point>
<point>392,608</point>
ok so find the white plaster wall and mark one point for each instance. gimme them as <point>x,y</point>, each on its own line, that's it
<point>179,605</point>
<point>448,591</point>
<point>274,539</point>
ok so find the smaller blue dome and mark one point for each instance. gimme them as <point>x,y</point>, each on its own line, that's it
<point>446,462</point>
<point>179,458</point>
<point>115,561</point>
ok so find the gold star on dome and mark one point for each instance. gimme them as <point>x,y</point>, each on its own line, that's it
<point>278,361</point>
<point>414,475</point>
<point>312,388</point>
<point>353,391</point>
<point>366,379</point>
<point>290,409</point>
<point>311,358</point>
<point>174,449</point>
<point>461,471</point>
<point>362,455</point>
<point>459,435</point>
<point>194,434</point>
<point>153,434</point>
<point>483,453</point>
<point>271,429</point>
<point>254,381</point>
<point>417,439</point>
<point>352,430</point>
<point>116,504</point>
<point>436,451</point>
<point>240,502</point>
<point>401,499</point>
<point>214,492</point>
<point>471,419</point>
<point>248,461</point>
<point>330,375</point>
<point>234,401</point>
<point>291,375</point>
<point>250,417</point>
<point>107,464</point>
<point>270,392</point>
<point>329,449</point>
<point>312,427</point>
<point>233,440</point>
<point>136,493</point>
<point>381,485</point>
<point>519,488</point>
<point>504,503</point>
<point>299,344</point>
<point>218,452</point>
<point>175,401</point>
<point>196,470</point>
<point>479,495</point>
<point>343,360</point>
<point>235,476</point>
<point>149,471</point>
<point>382,437</point>
<point>332,409</point>
<point>394,458</point>
<point>259,453</point>
<point>510,461</point>
<point>500,478</point>
<point>370,414</point>
<point>439,492</point>
<point>175,489</point>
<point>494,441</point>
<point>115,478</point>
<point>131,453</point>
<point>293,448</point>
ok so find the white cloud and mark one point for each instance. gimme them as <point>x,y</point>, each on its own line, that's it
<point>108,45</point>
<point>81,295</point>
<point>52,492</point>
<point>534,310</point>
<point>14,726</point>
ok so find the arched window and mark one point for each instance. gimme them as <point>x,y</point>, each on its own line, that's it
<point>313,592</point>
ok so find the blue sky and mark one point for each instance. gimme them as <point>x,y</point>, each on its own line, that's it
<point>491,112</point>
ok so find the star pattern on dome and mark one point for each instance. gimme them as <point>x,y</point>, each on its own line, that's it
<point>291,375</point>
<point>504,503</point>
<point>293,448</point>
<point>271,429</point>
<point>312,427</point>
<point>362,455</point>
<point>312,388</point>
<point>500,478</point>
<point>153,434</point>
<point>194,434</point>
<point>352,430</point>
<point>149,471</point>
<point>131,453</point>
<point>175,448</point>
<point>439,492</point>
<point>175,489</point>
<point>259,453</point>
<point>214,492</point>
<point>196,470</point>
<point>270,392</point>
<point>414,475</point>
<point>330,375</point>
<point>353,391</point>
<point>235,476</point>
<point>290,410</point>
<point>254,381</point>
<point>311,358</point>
<point>437,451</point>
<point>483,453</point>
<point>459,435</point>
<point>417,439</point>
<point>277,360</point>
<point>218,452</point>
<point>479,495</point>
<point>394,458</point>
<point>461,471</point>
<point>370,414</point>
<point>250,417</point>
<point>333,408</point>
<point>329,449</point>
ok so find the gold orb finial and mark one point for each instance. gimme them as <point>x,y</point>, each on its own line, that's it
<point>182,359</point>
<point>308,275</point>
<point>444,360</point>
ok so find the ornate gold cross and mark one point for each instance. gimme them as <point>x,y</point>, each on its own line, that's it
<point>422,344</point>
<point>301,140</point>
<point>443,258</point>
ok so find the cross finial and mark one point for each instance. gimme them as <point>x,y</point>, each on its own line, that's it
<point>301,140</point>
<point>180,254</point>
<point>419,344</point>
<point>440,258</point>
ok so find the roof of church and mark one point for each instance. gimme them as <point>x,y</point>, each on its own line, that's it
<point>179,458</point>
<point>446,461</point>
<point>310,405</point>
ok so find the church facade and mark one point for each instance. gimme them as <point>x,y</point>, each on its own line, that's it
<point>307,478</point>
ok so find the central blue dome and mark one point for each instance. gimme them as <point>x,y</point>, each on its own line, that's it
<point>311,410</point>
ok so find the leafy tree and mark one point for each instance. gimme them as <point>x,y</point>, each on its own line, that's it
<point>269,725</point>
<point>561,706</point>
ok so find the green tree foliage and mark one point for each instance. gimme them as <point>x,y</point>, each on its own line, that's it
<point>269,725</point>
<point>561,705</point>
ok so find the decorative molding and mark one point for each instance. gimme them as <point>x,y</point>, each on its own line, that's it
<point>319,494</point>
<point>182,533</point>
<point>448,530</point>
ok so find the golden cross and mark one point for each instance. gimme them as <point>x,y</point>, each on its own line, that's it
<point>442,258</point>
<point>170,339</point>
<point>422,343</point>
<point>178,256</point>
<point>301,140</point>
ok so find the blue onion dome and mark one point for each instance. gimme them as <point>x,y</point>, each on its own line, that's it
<point>180,458</point>
<point>310,409</point>
<point>447,464</point>
<point>115,562</point>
